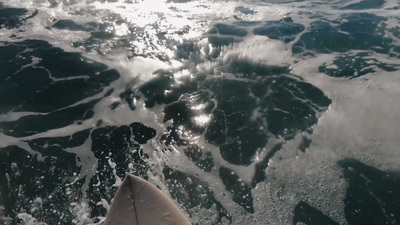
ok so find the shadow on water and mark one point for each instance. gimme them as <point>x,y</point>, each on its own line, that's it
<point>373,195</point>
<point>306,214</point>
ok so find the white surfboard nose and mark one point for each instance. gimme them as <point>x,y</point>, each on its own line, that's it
<point>138,202</point>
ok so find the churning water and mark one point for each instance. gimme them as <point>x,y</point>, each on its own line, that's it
<point>244,112</point>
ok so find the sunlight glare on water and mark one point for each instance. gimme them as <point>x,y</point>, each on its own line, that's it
<point>243,112</point>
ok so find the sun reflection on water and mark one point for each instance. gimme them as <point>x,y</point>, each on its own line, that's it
<point>201,120</point>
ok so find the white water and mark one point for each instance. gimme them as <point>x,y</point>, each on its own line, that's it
<point>363,121</point>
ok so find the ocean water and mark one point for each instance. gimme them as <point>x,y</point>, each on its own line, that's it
<point>243,112</point>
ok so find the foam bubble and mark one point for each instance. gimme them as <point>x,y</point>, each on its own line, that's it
<point>361,121</point>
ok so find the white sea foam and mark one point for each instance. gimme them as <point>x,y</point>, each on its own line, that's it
<point>259,50</point>
<point>29,219</point>
<point>362,121</point>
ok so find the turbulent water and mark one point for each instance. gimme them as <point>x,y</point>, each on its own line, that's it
<point>243,112</point>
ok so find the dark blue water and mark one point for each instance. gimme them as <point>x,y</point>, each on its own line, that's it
<point>71,125</point>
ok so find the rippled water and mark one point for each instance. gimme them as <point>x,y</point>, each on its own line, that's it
<point>244,112</point>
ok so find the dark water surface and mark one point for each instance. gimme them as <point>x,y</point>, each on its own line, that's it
<point>230,133</point>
